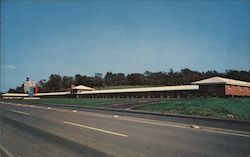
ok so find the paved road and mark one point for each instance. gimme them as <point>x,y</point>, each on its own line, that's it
<point>225,124</point>
<point>32,131</point>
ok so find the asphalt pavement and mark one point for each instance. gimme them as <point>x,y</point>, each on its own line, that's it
<point>39,131</point>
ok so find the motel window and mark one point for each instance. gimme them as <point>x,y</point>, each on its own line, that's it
<point>211,88</point>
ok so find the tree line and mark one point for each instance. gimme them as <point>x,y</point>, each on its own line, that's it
<point>56,82</point>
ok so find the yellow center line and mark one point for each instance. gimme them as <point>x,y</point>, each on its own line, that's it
<point>96,129</point>
<point>20,112</point>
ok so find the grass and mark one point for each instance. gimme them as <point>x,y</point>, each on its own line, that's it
<point>73,101</point>
<point>208,107</point>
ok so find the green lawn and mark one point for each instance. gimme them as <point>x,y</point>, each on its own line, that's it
<point>73,101</point>
<point>208,107</point>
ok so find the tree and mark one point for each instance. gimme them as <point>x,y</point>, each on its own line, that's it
<point>98,80</point>
<point>136,79</point>
<point>238,75</point>
<point>67,81</point>
<point>20,89</point>
<point>11,90</point>
<point>119,79</point>
<point>78,80</point>
<point>184,76</point>
<point>109,78</point>
<point>54,83</point>
<point>84,80</point>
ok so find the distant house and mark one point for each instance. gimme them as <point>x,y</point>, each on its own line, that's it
<point>218,86</point>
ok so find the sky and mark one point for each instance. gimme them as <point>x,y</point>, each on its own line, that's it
<point>39,38</point>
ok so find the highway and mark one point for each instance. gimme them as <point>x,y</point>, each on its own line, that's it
<point>39,131</point>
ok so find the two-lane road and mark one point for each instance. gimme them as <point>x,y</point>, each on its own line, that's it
<point>28,130</point>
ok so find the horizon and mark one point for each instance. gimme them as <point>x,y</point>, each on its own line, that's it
<point>40,38</point>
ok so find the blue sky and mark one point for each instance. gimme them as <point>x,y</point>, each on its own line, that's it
<point>39,38</point>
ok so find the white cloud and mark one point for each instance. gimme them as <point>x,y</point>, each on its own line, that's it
<point>8,67</point>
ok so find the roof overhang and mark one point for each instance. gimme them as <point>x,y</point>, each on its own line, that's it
<point>220,80</point>
<point>81,87</point>
<point>148,89</point>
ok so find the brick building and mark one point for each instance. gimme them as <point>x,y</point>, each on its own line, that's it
<point>218,86</point>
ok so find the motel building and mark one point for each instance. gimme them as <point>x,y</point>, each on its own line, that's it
<point>146,92</point>
<point>223,87</point>
<point>211,87</point>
